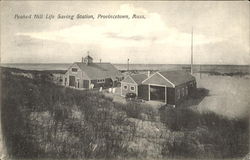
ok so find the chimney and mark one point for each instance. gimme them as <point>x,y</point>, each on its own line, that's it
<point>148,73</point>
<point>100,60</point>
<point>82,59</point>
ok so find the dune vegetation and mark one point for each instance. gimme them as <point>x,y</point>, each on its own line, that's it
<point>41,119</point>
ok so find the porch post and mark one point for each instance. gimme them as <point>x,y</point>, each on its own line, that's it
<point>149,92</point>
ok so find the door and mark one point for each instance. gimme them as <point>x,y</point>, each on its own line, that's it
<point>85,83</point>
<point>72,81</point>
<point>157,93</point>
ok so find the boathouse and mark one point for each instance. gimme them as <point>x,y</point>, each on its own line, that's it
<point>170,87</point>
<point>88,75</point>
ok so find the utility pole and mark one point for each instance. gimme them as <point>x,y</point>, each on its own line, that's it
<point>192,52</point>
<point>128,65</point>
<point>200,71</point>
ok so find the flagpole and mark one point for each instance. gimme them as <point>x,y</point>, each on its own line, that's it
<point>192,51</point>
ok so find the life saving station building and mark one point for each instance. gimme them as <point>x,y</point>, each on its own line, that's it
<point>170,87</point>
<point>88,75</point>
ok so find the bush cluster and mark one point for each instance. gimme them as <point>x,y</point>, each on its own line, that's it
<point>41,119</point>
<point>204,135</point>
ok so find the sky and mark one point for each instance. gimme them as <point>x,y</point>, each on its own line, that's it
<point>220,32</point>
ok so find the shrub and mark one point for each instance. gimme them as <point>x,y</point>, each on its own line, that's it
<point>135,109</point>
<point>62,135</point>
<point>204,130</point>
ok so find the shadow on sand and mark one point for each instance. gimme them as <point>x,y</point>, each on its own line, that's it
<point>194,98</point>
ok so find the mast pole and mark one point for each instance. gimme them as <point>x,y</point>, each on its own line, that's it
<point>192,51</point>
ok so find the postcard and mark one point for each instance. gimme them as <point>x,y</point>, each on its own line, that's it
<point>125,80</point>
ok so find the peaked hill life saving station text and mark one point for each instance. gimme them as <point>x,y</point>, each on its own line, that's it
<point>77,16</point>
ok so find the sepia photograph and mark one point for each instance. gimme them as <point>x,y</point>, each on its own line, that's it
<point>125,80</point>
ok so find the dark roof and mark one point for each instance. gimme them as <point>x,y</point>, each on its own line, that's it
<point>99,70</point>
<point>88,57</point>
<point>157,79</point>
<point>138,78</point>
<point>177,77</point>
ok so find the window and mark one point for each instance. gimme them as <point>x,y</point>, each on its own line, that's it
<point>74,69</point>
<point>65,81</point>
<point>132,88</point>
<point>100,80</point>
<point>125,87</point>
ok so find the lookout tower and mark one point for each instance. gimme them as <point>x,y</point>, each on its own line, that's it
<point>87,60</point>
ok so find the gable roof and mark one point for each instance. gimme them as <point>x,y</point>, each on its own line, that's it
<point>135,78</point>
<point>169,78</point>
<point>138,78</point>
<point>128,79</point>
<point>157,79</point>
<point>177,77</point>
<point>99,70</point>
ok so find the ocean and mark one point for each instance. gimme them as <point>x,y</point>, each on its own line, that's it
<point>197,68</point>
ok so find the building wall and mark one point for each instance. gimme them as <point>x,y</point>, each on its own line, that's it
<point>183,91</point>
<point>106,84</point>
<point>79,76</point>
<point>171,96</point>
<point>128,90</point>
<point>191,85</point>
<point>143,92</point>
<point>171,93</point>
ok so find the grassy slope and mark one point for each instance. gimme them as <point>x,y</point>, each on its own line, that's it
<point>40,119</point>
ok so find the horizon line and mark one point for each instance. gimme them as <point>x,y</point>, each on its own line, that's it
<point>135,63</point>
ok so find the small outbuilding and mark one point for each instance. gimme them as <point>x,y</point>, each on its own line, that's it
<point>133,84</point>
<point>170,87</point>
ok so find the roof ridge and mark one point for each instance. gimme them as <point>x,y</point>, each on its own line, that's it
<point>138,74</point>
<point>95,62</point>
<point>97,70</point>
